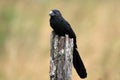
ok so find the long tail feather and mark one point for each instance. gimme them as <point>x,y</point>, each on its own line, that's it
<point>78,64</point>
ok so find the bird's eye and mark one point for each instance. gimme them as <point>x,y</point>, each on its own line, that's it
<point>54,12</point>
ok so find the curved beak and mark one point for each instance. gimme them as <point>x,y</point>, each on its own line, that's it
<point>51,13</point>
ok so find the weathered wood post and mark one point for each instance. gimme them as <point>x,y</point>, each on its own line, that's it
<point>61,57</point>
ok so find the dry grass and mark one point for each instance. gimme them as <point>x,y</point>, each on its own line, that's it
<point>25,31</point>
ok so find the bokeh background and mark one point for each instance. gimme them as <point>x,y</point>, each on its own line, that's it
<point>25,37</point>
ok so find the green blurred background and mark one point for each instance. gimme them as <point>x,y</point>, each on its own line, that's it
<point>25,37</point>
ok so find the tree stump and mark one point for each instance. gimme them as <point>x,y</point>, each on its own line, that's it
<point>61,57</point>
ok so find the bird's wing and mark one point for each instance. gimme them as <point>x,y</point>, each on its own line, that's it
<point>68,29</point>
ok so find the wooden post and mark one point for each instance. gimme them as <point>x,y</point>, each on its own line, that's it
<point>61,57</point>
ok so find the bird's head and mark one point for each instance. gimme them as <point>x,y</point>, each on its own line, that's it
<point>54,13</point>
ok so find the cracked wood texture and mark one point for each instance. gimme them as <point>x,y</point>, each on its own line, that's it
<point>61,57</point>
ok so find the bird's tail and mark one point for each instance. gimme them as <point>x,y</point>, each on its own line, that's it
<point>78,64</point>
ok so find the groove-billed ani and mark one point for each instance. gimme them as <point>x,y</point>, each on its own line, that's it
<point>62,27</point>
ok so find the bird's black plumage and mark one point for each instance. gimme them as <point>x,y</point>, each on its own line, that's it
<point>62,27</point>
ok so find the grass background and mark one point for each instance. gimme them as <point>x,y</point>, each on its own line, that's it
<point>25,37</point>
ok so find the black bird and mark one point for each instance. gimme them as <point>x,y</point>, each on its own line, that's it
<point>62,27</point>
